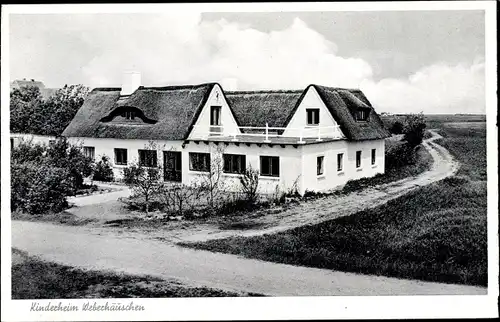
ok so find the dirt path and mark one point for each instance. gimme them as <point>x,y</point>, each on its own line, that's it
<point>82,247</point>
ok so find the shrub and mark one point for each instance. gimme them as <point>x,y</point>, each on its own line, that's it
<point>399,155</point>
<point>179,198</point>
<point>397,127</point>
<point>103,170</point>
<point>249,183</point>
<point>27,151</point>
<point>131,173</point>
<point>65,155</point>
<point>42,177</point>
<point>37,188</point>
<point>144,181</point>
<point>414,129</point>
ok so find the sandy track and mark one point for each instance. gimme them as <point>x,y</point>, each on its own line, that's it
<point>81,247</point>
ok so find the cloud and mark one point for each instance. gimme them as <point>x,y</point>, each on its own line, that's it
<point>180,48</point>
<point>440,88</point>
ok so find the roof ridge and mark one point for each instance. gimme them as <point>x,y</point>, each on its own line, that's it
<point>175,87</point>
<point>106,89</point>
<point>339,88</point>
<point>278,91</point>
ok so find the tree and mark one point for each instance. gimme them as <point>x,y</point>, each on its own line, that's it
<point>61,107</point>
<point>25,110</point>
<point>414,129</point>
<point>29,113</point>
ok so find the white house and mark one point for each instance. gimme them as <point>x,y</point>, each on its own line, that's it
<point>314,139</point>
<point>17,138</point>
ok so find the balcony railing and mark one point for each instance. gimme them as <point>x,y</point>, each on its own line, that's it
<point>268,132</point>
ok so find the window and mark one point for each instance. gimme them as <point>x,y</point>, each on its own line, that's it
<point>312,116</point>
<point>319,165</point>
<point>89,151</point>
<point>340,162</point>
<point>148,158</point>
<point>358,159</point>
<point>361,115</point>
<point>215,115</point>
<point>234,163</point>
<point>129,115</point>
<point>269,166</point>
<point>374,152</point>
<point>121,156</point>
<point>199,162</point>
<point>172,161</point>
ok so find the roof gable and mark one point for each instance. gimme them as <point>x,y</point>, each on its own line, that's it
<point>343,103</point>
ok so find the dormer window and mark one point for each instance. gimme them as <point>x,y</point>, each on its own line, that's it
<point>129,115</point>
<point>312,116</point>
<point>361,115</point>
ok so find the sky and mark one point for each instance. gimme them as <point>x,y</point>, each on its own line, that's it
<point>414,61</point>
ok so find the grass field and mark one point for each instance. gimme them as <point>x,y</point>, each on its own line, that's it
<point>435,233</point>
<point>36,279</point>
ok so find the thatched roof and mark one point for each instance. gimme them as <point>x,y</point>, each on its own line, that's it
<point>343,103</point>
<point>258,107</point>
<point>171,111</point>
<point>174,109</point>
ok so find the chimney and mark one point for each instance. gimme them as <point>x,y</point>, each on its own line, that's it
<point>131,82</point>
<point>229,84</point>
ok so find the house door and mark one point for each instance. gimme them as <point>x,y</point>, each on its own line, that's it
<point>172,165</point>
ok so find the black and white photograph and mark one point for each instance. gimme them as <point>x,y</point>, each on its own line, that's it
<point>249,161</point>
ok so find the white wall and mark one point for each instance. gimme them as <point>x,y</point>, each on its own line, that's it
<point>297,164</point>
<point>36,139</point>
<point>290,158</point>
<point>289,163</point>
<point>333,178</point>
<point>299,120</point>
<point>202,125</point>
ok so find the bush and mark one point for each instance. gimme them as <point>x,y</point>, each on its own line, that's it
<point>144,181</point>
<point>131,173</point>
<point>37,189</point>
<point>42,177</point>
<point>397,127</point>
<point>399,155</point>
<point>414,129</point>
<point>249,183</point>
<point>103,170</point>
<point>27,151</point>
<point>62,154</point>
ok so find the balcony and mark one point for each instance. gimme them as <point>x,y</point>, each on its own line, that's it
<point>268,134</point>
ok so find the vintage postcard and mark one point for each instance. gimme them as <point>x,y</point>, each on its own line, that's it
<point>249,161</point>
